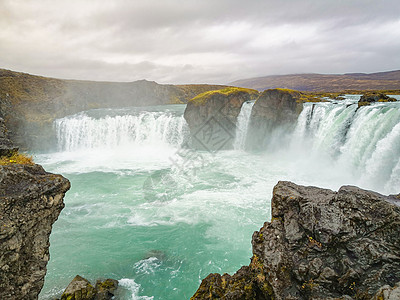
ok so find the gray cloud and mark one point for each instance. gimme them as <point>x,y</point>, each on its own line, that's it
<point>193,41</point>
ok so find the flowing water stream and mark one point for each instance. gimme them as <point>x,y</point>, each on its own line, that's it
<point>159,218</point>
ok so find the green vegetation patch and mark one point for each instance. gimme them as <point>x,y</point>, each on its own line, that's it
<point>230,91</point>
<point>16,158</point>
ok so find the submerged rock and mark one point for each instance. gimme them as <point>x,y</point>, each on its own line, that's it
<point>30,202</point>
<point>320,244</point>
<point>372,97</point>
<point>212,116</point>
<point>81,289</point>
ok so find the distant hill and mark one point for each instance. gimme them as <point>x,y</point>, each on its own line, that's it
<point>29,104</point>
<point>325,82</point>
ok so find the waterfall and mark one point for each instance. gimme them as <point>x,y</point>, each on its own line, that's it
<point>83,131</point>
<point>242,125</point>
<point>363,140</point>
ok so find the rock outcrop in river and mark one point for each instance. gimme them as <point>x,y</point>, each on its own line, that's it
<point>320,244</point>
<point>372,97</point>
<point>275,111</point>
<point>30,201</point>
<point>212,116</point>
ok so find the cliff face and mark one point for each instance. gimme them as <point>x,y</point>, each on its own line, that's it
<point>212,116</point>
<point>29,104</point>
<point>275,110</point>
<point>30,202</point>
<point>320,244</point>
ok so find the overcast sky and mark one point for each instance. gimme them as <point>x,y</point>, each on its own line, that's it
<point>197,41</point>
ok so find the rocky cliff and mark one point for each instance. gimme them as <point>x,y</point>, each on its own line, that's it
<point>30,201</point>
<point>29,104</point>
<point>320,244</point>
<point>212,116</point>
<point>275,112</point>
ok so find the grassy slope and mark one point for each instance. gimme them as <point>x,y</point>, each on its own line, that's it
<point>326,83</point>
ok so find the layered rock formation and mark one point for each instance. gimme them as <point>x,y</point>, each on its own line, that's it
<point>275,111</point>
<point>372,97</point>
<point>212,116</point>
<point>30,201</point>
<point>320,244</point>
<point>29,104</point>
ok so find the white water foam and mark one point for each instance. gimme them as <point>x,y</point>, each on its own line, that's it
<point>242,125</point>
<point>133,288</point>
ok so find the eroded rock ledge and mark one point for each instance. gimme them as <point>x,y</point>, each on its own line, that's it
<point>320,244</point>
<point>30,201</point>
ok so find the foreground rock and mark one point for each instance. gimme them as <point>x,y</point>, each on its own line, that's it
<point>212,116</point>
<point>369,98</point>
<point>320,244</point>
<point>81,289</point>
<point>30,202</point>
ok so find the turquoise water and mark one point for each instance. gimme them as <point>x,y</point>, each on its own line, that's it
<point>160,218</point>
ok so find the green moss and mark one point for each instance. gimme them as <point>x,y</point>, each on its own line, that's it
<point>204,97</point>
<point>16,158</point>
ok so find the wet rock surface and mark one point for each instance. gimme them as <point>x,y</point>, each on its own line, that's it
<point>320,244</point>
<point>369,98</point>
<point>81,289</point>
<point>274,113</point>
<point>212,117</point>
<point>30,202</point>
<point>6,146</point>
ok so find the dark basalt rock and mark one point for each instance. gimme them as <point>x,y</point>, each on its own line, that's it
<point>6,146</point>
<point>212,116</point>
<point>369,98</point>
<point>274,113</point>
<point>81,289</point>
<point>30,202</point>
<point>320,244</point>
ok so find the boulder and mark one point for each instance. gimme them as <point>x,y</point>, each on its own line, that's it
<point>320,244</point>
<point>212,116</point>
<point>372,97</point>
<point>81,289</point>
<point>30,201</point>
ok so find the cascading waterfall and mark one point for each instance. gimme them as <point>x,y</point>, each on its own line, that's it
<point>242,125</point>
<point>82,131</point>
<point>364,140</point>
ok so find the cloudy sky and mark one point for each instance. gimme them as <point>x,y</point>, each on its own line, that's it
<point>197,41</point>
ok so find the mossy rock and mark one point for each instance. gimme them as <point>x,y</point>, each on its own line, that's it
<point>79,289</point>
<point>231,91</point>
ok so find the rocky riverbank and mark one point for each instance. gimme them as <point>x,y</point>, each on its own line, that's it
<point>320,244</point>
<point>30,202</point>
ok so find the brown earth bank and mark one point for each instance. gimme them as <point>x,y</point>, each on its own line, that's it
<point>29,104</point>
<point>325,82</point>
<point>320,244</point>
